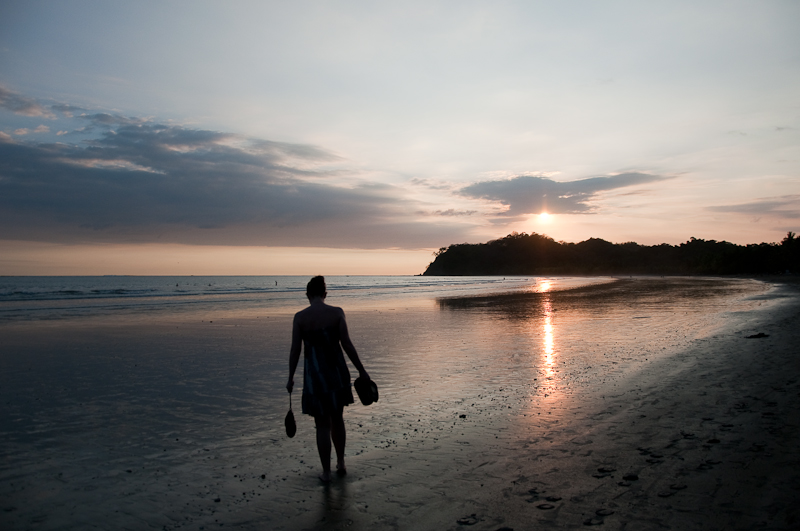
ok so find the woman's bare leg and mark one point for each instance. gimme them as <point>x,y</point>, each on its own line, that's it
<point>339,436</point>
<point>323,424</point>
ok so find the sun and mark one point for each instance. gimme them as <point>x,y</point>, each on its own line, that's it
<point>544,217</point>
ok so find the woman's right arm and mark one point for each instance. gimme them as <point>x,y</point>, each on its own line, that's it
<point>294,353</point>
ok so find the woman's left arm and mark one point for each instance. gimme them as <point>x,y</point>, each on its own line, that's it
<point>347,345</point>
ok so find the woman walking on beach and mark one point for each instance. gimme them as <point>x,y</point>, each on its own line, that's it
<point>326,381</point>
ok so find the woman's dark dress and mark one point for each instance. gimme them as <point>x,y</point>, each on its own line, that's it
<point>326,380</point>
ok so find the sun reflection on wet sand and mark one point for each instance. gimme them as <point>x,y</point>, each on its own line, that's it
<point>548,342</point>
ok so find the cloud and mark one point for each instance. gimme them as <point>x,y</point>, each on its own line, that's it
<point>24,130</point>
<point>787,206</point>
<point>67,110</point>
<point>20,104</point>
<point>148,182</point>
<point>531,194</point>
<point>433,185</point>
<point>450,212</point>
<point>108,120</point>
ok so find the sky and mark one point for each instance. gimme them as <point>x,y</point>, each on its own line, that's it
<point>332,137</point>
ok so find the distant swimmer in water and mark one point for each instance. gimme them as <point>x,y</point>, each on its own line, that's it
<point>322,330</point>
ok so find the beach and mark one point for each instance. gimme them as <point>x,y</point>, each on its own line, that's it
<point>634,403</point>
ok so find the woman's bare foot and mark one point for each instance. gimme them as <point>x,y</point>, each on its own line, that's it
<point>341,470</point>
<point>325,477</point>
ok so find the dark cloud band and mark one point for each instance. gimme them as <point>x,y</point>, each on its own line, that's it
<point>528,194</point>
<point>137,181</point>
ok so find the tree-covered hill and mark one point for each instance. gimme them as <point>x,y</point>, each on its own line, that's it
<point>537,254</point>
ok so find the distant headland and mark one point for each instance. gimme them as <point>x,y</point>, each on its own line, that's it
<point>537,254</point>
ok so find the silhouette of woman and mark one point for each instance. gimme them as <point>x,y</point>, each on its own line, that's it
<point>322,329</point>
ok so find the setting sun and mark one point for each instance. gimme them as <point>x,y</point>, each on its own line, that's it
<point>544,216</point>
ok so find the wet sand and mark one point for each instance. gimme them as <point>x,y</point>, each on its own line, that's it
<point>640,405</point>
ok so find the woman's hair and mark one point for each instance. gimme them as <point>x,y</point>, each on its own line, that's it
<point>316,287</point>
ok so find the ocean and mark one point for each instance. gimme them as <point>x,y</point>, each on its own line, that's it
<point>58,297</point>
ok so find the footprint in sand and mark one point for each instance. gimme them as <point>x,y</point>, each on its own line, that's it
<point>604,512</point>
<point>593,521</point>
<point>545,506</point>
<point>468,520</point>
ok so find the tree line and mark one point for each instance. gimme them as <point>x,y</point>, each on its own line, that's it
<point>537,254</point>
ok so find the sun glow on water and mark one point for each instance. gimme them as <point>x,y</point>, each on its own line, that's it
<point>549,341</point>
<point>544,286</point>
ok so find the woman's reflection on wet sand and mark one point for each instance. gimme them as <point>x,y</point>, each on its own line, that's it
<point>336,507</point>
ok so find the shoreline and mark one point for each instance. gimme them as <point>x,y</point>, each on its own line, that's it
<point>412,467</point>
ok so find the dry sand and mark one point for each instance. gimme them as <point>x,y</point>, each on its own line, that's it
<point>178,425</point>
